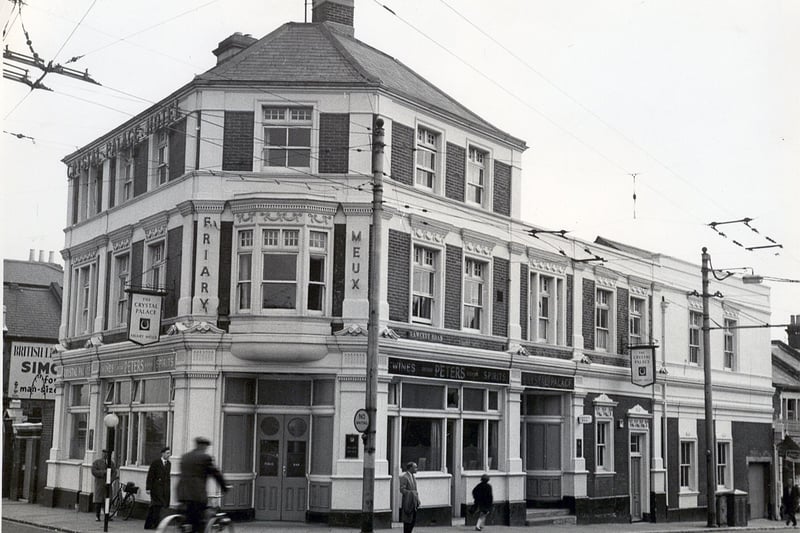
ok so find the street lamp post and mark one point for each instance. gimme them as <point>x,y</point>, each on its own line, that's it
<point>711,469</point>
<point>110,420</point>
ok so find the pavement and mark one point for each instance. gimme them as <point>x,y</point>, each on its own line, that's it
<point>69,521</point>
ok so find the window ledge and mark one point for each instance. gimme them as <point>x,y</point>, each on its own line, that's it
<point>689,492</point>
<point>605,473</point>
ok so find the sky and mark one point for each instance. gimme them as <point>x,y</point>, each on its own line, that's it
<point>691,106</point>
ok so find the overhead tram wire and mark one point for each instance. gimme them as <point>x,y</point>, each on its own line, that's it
<point>531,107</point>
<point>574,100</point>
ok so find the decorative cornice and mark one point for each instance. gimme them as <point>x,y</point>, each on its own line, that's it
<point>201,375</point>
<point>120,238</point>
<point>193,327</point>
<point>603,399</point>
<point>544,265</point>
<point>359,209</point>
<point>352,330</point>
<point>603,272</point>
<point>186,208</point>
<point>85,252</point>
<point>301,205</point>
<point>694,303</point>
<point>729,311</point>
<point>155,226</point>
<point>603,411</point>
<point>639,290</point>
<point>639,411</point>
<point>605,282</point>
<point>389,333</point>
<point>476,243</point>
<point>430,230</point>
<point>208,206</point>
<point>517,248</point>
<point>639,423</point>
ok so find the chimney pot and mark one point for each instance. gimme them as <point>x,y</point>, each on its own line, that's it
<point>32,255</point>
<point>52,258</point>
<point>41,256</point>
<point>232,45</point>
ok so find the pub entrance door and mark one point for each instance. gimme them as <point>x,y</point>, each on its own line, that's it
<point>281,482</point>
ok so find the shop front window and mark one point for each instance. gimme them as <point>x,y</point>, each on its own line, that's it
<point>421,443</point>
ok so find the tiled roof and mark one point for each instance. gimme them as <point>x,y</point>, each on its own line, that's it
<point>32,312</point>
<point>313,54</point>
<point>32,273</point>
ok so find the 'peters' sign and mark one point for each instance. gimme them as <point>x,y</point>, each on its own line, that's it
<point>32,372</point>
<point>144,324</point>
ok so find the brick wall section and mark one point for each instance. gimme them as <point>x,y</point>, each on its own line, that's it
<point>173,273</point>
<point>622,321</point>
<point>237,141</point>
<point>99,196</point>
<point>455,173</point>
<point>137,265</point>
<point>177,150</point>
<point>452,287</point>
<point>402,154</point>
<point>587,302</point>
<point>339,267</point>
<point>748,439</point>
<point>109,259</point>
<point>141,162</point>
<point>333,12</point>
<point>570,292</point>
<point>399,283</point>
<point>524,279</point>
<point>502,188</point>
<point>76,190</point>
<point>500,300</point>
<point>334,143</point>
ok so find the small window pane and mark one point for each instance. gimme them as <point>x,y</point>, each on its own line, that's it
<point>237,448</point>
<point>284,392</point>
<point>423,396</point>
<point>155,390</point>
<point>155,435</point>
<point>275,136</point>
<point>473,400</point>
<point>240,390</point>
<point>324,391</point>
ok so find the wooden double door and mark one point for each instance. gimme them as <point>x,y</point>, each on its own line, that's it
<point>281,491</point>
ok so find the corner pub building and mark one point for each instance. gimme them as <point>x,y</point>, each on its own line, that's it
<point>246,195</point>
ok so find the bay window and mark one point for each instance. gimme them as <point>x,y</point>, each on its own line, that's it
<point>279,269</point>
<point>244,280</point>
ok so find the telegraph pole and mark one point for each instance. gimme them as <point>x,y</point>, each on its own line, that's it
<point>373,328</point>
<point>711,468</point>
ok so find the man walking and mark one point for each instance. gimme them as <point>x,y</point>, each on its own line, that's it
<point>410,497</point>
<point>482,493</point>
<point>158,487</point>
<point>99,468</point>
<point>196,467</point>
<point>792,505</point>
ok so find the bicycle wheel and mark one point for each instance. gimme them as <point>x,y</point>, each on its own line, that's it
<point>220,524</point>
<point>113,505</point>
<point>171,524</point>
<point>126,506</point>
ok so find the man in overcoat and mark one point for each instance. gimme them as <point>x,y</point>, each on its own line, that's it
<point>158,487</point>
<point>196,467</point>
<point>99,474</point>
<point>410,497</point>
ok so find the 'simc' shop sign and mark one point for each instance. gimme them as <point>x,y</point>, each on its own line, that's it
<point>144,324</point>
<point>139,365</point>
<point>32,372</point>
<point>643,365</point>
<point>547,381</point>
<point>428,369</point>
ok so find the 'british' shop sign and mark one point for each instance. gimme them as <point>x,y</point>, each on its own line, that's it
<point>33,371</point>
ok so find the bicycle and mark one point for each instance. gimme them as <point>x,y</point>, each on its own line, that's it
<point>217,522</point>
<point>124,500</point>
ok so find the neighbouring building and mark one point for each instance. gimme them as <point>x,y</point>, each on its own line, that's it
<point>31,318</point>
<point>786,380</point>
<point>246,196</point>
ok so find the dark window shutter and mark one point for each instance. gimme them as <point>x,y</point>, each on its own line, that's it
<point>588,314</point>
<point>237,141</point>
<point>500,300</point>
<point>137,258</point>
<point>177,150</point>
<point>194,256</point>
<point>622,320</point>
<point>402,153</point>
<point>339,267</point>
<point>99,180</point>
<point>398,282</point>
<point>502,188</point>
<point>570,307</point>
<point>173,274</point>
<point>140,166</point>
<point>109,258</point>
<point>524,279</point>
<point>334,143</point>
<point>455,175</point>
<point>112,182</point>
<point>225,258</point>
<point>452,287</point>
<point>76,198</point>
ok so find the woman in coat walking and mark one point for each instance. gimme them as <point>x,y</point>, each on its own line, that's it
<point>482,493</point>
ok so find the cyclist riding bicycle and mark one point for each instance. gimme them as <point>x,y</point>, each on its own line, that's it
<point>196,467</point>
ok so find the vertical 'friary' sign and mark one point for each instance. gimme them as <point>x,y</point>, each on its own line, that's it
<point>643,365</point>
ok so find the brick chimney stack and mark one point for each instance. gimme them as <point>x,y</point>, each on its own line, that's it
<point>793,331</point>
<point>336,14</point>
<point>232,45</point>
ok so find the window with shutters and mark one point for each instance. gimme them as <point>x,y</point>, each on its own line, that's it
<point>287,136</point>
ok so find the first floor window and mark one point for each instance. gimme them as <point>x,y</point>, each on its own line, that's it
<point>687,465</point>
<point>730,344</point>
<point>279,281</point>
<point>421,443</point>
<point>476,173</point>
<point>695,336</point>
<point>636,318</point>
<point>122,268</point>
<point>287,136</point>
<point>161,169</point>
<point>244,282</point>
<point>424,284</point>
<point>602,313</point>
<point>426,157</point>
<point>722,464</point>
<point>474,275</point>
<point>156,265</point>
<point>318,248</point>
